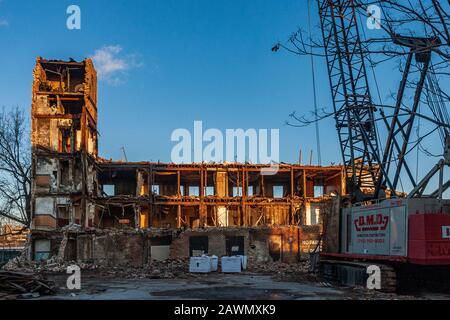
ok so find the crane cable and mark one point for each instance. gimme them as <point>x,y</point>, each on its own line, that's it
<point>316,120</point>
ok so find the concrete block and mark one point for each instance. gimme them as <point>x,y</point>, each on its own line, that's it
<point>214,263</point>
<point>200,264</point>
<point>231,264</point>
<point>244,261</point>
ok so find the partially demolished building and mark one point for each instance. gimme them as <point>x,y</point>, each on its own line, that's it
<point>86,208</point>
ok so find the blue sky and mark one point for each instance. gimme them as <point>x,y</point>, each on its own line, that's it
<point>170,62</point>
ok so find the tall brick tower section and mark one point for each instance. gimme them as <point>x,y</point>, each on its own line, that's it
<point>64,144</point>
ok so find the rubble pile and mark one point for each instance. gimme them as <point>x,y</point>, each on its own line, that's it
<point>280,267</point>
<point>18,263</point>
<point>171,268</point>
<point>281,271</point>
<point>26,285</point>
<point>168,269</point>
<point>52,265</point>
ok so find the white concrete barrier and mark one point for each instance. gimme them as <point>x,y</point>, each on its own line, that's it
<point>231,264</point>
<point>244,262</point>
<point>214,263</point>
<point>200,264</point>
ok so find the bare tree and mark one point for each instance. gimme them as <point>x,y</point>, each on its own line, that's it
<point>429,20</point>
<point>15,166</point>
<point>425,20</point>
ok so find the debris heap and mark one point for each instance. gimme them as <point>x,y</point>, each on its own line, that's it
<point>25,284</point>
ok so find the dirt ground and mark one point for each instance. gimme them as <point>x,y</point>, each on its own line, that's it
<point>171,279</point>
<point>214,286</point>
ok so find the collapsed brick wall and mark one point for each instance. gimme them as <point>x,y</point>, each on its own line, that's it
<point>288,244</point>
<point>310,239</point>
<point>277,243</point>
<point>259,249</point>
<point>261,245</point>
<point>331,227</point>
<point>115,249</point>
<point>216,241</point>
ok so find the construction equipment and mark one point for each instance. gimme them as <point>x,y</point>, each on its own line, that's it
<point>405,237</point>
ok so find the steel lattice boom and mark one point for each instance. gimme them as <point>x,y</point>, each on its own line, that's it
<point>353,108</point>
